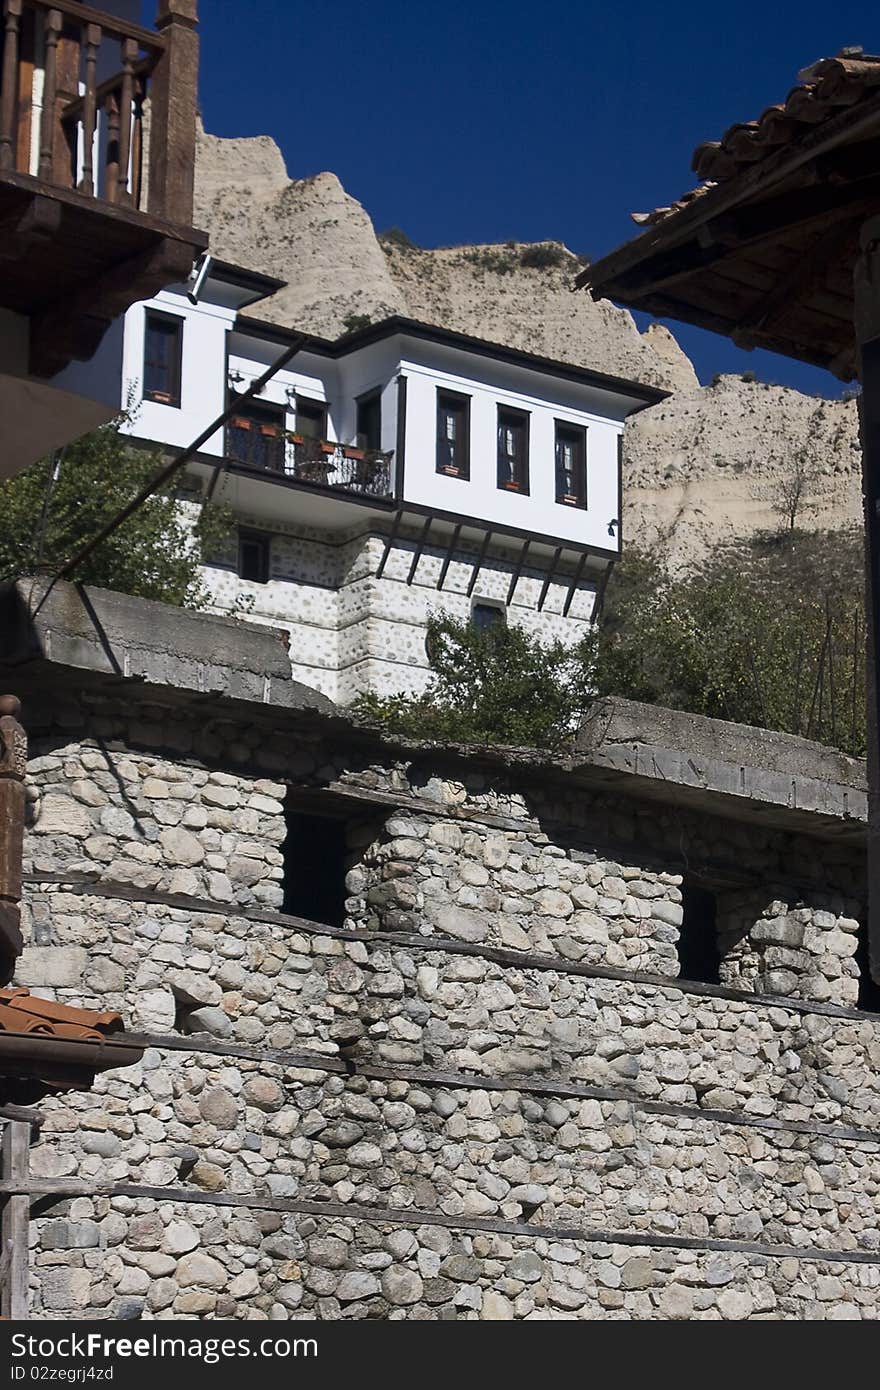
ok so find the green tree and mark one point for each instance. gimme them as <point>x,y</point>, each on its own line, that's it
<point>48,512</point>
<point>769,633</point>
<point>495,685</point>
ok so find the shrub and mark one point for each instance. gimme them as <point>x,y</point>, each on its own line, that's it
<point>546,255</point>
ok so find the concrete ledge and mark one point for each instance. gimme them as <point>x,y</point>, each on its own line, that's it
<point>106,633</point>
<point>701,761</point>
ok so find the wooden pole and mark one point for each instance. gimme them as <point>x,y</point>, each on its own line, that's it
<point>173,103</point>
<point>14,1222</point>
<point>13,765</point>
<point>867,326</point>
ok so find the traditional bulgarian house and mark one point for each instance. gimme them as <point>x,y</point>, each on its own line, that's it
<point>401,470</point>
<point>97,151</point>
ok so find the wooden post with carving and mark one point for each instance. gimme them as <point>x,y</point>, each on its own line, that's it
<point>13,766</point>
<point>173,104</point>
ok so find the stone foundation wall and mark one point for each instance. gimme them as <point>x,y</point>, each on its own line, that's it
<point>352,630</point>
<point>490,1070</point>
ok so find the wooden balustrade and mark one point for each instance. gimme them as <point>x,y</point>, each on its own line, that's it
<point>62,124</point>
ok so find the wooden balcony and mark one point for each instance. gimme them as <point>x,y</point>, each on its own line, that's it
<point>97,158</point>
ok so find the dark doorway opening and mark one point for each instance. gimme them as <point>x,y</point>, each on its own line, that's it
<point>315,866</point>
<point>869,990</point>
<point>698,954</point>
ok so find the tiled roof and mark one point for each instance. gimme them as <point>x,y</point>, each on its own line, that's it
<point>23,1012</point>
<point>826,88</point>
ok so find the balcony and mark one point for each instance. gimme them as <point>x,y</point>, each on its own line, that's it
<point>316,463</point>
<point>97,158</point>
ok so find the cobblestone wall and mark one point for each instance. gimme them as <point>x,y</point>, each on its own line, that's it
<point>419,1061</point>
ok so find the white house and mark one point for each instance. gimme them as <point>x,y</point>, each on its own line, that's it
<point>400,470</point>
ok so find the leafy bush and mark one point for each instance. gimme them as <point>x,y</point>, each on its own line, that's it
<point>495,685</point>
<point>546,255</point>
<point>395,236</point>
<point>155,554</point>
<point>352,322</point>
<point>497,260</point>
<point>769,633</point>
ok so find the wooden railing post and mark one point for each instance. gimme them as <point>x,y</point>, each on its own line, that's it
<point>9,82</point>
<point>13,766</point>
<point>126,112</point>
<point>90,114</point>
<point>173,103</point>
<point>52,31</point>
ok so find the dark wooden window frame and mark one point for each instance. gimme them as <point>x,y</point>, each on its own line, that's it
<point>368,398</point>
<point>259,538</point>
<point>570,499</point>
<point>520,481</point>
<point>316,407</point>
<point>488,605</point>
<point>173,396</point>
<point>459,401</point>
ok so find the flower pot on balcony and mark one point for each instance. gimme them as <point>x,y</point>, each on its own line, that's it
<point>298,438</point>
<point>327,447</point>
<point>570,499</point>
<point>452,472</point>
<point>512,487</point>
<point>351,452</point>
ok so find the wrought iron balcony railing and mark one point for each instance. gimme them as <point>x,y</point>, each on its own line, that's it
<point>321,463</point>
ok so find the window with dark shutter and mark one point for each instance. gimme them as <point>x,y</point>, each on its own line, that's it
<point>571,465</point>
<point>163,358</point>
<point>453,434</point>
<point>253,556</point>
<point>486,615</point>
<point>311,418</point>
<point>513,450</point>
<point>369,421</point>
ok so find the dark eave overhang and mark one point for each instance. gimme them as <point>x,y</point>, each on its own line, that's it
<point>412,328</point>
<point>256,285</point>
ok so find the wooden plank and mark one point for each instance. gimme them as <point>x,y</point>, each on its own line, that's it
<point>15,1220</point>
<point>109,22</point>
<point>408,1218</point>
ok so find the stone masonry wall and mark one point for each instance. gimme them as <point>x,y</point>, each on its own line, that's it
<point>353,630</point>
<point>450,1061</point>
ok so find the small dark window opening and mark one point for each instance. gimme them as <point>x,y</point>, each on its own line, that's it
<point>485,615</point>
<point>315,865</point>
<point>571,465</point>
<point>698,955</point>
<point>869,990</point>
<point>257,438</point>
<point>513,450</point>
<point>369,421</point>
<point>163,358</point>
<point>453,434</point>
<point>253,556</point>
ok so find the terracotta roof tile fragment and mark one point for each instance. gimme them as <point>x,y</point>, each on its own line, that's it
<point>827,87</point>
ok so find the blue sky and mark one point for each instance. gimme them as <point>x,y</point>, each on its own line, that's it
<point>483,121</point>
